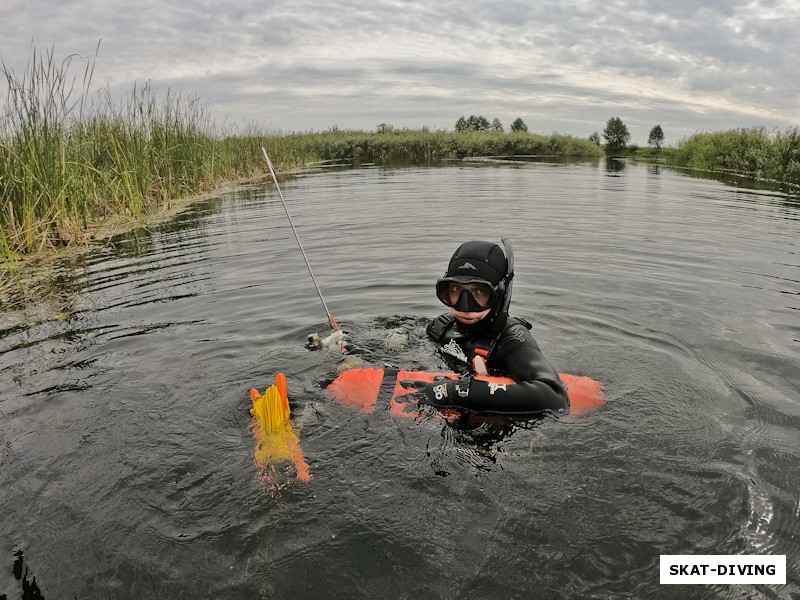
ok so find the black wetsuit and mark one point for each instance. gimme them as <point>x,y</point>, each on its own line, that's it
<point>513,353</point>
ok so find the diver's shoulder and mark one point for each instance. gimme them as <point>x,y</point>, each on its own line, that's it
<point>439,325</point>
<point>517,331</point>
<point>517,325</point>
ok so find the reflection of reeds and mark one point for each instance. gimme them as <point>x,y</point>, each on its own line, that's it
<point>44,284</point>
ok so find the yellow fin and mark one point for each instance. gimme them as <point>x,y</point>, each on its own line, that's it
<point>276,440</point>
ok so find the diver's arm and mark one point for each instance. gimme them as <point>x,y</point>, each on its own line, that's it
<point>537,385</point>
<point>478,395</point>
<point>537,381</point>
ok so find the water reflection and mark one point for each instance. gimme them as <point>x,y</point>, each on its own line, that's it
<point>38,290</point>
<point>30,589</point>
<point>615,165</point>
<point>790,191</point>
<point>125,425</point>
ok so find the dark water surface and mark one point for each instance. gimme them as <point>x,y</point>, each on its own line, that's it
<point>125,450</point>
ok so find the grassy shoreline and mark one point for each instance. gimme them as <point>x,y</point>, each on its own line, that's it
<point>71,162</point>
<point>753,152</point>
<point>57,186</point>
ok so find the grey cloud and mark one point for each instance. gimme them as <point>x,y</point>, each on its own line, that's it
<point>430,62</point>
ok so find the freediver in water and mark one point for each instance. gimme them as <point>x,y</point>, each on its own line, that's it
<point>479,337</point>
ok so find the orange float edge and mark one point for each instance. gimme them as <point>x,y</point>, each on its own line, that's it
<point>360,388</point>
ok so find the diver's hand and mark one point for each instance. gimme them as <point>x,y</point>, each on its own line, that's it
<point>441,394</point>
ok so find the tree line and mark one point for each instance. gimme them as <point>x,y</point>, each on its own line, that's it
<point>616,133</point>
<point>617,136</point>
<point>481,123</point>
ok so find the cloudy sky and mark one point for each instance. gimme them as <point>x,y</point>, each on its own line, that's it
<point>296,65</point>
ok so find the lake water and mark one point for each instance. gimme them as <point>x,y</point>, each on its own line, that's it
<point>126,456</point>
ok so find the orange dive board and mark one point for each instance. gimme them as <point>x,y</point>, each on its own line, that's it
<point>361,388</point>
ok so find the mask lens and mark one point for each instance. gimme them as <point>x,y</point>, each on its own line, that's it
<point>449,293</point>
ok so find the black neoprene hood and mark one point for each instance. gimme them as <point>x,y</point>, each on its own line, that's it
<point>477,261</point>
<point>483,262</point>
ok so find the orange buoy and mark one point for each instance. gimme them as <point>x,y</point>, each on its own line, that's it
<point>361,388</point>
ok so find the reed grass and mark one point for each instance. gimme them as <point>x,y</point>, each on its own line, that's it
<point>67,162</point>
<point>423,145</point>
<point>70,158</point>
<point>753,152</point>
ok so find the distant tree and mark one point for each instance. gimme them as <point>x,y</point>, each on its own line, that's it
<point>385,128</point>
<point>616,134</point>
<point>479,123</point>
<point>497,125</point>
<point>656,137</point>
<point>519,125</point>
<point>461,124</point>
<point>595,137</point>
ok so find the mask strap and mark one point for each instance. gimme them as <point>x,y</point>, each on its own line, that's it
<point>509,250</point>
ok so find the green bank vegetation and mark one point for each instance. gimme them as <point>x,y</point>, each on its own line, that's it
<point>753,152</point>
<point>67,163</point>
<point>389,144</point>
<point>72,161</point>
<point>750,152</point>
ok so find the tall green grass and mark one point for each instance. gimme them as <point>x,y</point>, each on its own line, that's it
<point>424,145</point>
<point>752,152</point>
<point>70,158</point>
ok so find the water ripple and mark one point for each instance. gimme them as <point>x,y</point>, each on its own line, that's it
<point>125,429</point>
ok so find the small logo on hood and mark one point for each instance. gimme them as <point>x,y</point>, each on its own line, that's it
<point>468,265</point>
